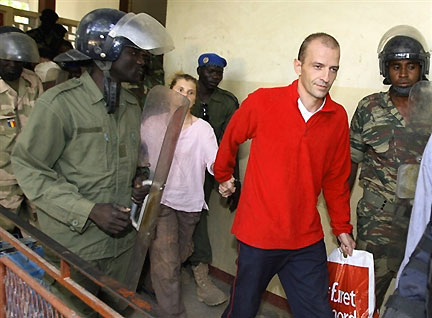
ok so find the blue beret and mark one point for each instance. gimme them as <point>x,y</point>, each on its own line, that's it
<point>211,59</point>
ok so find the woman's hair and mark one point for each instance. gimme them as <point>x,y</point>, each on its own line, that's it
<point>179,76</point>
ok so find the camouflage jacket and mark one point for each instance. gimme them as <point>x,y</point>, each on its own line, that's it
<point>381,142</point>
<point>221,106</point>
<point>15,109</point>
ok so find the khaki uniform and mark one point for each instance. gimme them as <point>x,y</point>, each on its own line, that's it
<point>380,142</point>
<point>72,155</point>
<point>15,109</point>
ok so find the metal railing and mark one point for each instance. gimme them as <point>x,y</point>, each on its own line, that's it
<point>34,293</point>
<point>27,20</point>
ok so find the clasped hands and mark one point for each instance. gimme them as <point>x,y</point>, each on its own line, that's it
<point>227,188</point>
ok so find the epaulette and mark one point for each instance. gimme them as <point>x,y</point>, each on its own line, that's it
<point>59,89</point>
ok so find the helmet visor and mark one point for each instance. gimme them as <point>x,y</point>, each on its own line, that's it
<point>402,30</point>
<point>18,47</point>
<point>145,32</point>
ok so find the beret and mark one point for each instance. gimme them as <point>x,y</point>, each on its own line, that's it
<point>207,59</point>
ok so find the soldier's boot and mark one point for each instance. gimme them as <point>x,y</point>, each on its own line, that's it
<point>207,292</point>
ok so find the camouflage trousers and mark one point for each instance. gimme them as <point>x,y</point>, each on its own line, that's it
<point>172,245</point>
<point>383,233</point>
<point>12,198</point>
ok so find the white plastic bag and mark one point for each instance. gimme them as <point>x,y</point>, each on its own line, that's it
<point>351,284</point>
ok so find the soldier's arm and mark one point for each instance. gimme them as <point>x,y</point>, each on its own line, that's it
<point>36,152</point>
<point>232,107</point>
<point>353,174</point>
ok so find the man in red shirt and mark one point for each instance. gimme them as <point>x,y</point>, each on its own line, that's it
<point>300,148</point>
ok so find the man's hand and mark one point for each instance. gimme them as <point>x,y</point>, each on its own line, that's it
<point>227,188</point>
<point>110,218</point>
<point>139,191</point>
<point>347,243</point>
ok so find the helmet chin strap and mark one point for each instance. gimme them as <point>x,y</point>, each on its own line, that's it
<point>111,88</point>
<point>401,91</point>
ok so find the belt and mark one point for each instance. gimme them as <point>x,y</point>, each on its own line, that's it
<point>379,202</point>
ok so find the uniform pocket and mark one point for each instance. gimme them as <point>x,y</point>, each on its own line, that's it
<point>379,137</point>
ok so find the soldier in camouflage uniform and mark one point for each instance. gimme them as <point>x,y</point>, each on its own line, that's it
<point>386,149</point>
<point>19,88</point>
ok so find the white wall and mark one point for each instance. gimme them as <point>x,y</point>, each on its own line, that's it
<point>260,39</point>
<point>76,9</point>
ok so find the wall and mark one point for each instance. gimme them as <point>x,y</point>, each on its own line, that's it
<point>76,9</point>
<point>260,39</point>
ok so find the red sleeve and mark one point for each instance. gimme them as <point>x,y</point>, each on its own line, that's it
<point>242,126</point>
<point>335,184</point>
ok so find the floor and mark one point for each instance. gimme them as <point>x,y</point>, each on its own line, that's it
<point>197,309</point>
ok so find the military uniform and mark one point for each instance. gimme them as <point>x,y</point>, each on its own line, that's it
<point>80,156</point>
<point>220,108</point>
<point>15,109</point>
<point>382,143</point>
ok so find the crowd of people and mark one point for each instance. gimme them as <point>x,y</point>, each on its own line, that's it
<point>74,166</point>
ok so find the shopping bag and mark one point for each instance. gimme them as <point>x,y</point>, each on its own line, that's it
<point>351,284</point>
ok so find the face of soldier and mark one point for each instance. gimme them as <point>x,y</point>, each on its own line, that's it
<point>404,73</point>
<point>10,70</point>
<point>210,76</point>
<point>187,89</point>
<point>129,67</point>
<point>317,72</point>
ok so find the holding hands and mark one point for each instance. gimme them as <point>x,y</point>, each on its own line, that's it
<point>227,188</point>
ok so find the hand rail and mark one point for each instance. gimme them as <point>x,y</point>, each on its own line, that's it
<point>142,304</point>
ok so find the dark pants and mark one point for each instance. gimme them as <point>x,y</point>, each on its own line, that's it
<point>303,274</point>
<point>202,249</point>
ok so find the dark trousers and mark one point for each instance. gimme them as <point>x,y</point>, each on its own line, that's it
<point>303,274</point>
<point>202,249</point>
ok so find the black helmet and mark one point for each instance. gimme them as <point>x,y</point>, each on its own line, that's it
<point>92,34</point>
<point>400,43</point>
<point>103,33</point>
<point>17,46</point>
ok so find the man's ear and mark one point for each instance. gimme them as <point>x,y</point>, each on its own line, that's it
<point>297,66</point>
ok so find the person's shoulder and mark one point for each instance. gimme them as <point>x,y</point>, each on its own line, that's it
<point>269,93</point>
<point>204,127</point>
<point>64,89</point>
<point>372,99</point>
<point>226,94</point>
<point>128,95</point>
<point>31,77</point>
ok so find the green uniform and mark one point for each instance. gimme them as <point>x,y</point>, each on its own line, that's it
<point>15,109</point>
<point>380,142</point>
<point>73,154</point>
<point>221,106</point>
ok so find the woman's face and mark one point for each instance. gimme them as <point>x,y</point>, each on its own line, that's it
<point>187,89</point>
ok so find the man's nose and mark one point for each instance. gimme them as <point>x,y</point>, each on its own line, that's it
<point>326,75</point>
<point>403,71</point>
<point>141,59</point>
